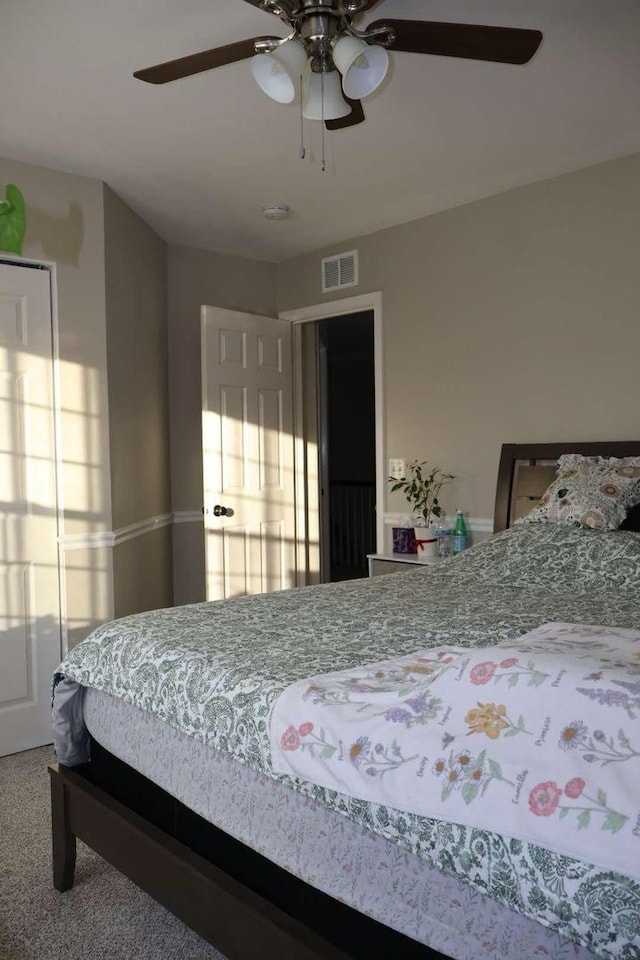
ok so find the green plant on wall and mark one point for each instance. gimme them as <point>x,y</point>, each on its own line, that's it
<point>13,220</point>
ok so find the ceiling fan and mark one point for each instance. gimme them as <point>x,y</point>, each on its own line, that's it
<point>334,63</point>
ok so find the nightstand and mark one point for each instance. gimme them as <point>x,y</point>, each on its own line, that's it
<point>396,562</point>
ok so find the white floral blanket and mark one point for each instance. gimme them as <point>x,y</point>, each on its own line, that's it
<point>537,739</point>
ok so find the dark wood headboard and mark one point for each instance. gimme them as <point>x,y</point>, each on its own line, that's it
<point>527,469</point>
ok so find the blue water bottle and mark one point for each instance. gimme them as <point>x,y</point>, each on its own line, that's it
<point>443,541</point>
<point>460,536</point>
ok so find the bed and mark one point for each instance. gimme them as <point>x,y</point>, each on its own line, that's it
<point>265,865</point>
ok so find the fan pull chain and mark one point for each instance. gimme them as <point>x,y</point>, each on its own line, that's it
<point>323,165</point>
<point>303,151</point>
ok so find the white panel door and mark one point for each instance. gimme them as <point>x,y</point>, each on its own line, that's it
<point>30,640</point>
<point>247,453</point>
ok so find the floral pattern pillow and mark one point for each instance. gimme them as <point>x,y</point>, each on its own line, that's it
<point>594,492</point>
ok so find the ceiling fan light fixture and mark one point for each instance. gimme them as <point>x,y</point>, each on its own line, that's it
<point>363,66</point>
<point>278,73</point>
<point>319,87</point>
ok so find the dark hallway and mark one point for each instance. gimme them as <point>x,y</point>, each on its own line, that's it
<point>348,453</point>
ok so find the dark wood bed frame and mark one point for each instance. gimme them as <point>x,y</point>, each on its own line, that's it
<point>237,900</point>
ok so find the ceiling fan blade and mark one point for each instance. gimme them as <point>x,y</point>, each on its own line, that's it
<point>351,120</point>
<point>468,40</point>
<point>198,62</point>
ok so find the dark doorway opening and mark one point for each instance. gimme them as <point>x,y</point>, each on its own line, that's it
<point>347,443</point>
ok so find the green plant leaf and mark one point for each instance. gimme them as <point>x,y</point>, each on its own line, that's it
<point>537,678</point>
<point>469,791</point>
<point>13,220</point>
<point>614,822</point>
<point>495,769</point>
<point>584,819</point>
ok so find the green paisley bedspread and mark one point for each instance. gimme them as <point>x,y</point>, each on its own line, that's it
<point>214,670</point>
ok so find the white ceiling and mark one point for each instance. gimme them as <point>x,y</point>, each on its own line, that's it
<point>199,157</point>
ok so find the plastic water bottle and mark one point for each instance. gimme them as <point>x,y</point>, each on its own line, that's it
<point>460,536</point>
<point>443,541</point>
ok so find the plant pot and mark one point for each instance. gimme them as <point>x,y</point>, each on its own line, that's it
<point>425,538</point>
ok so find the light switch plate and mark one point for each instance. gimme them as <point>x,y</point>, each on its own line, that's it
<point>396,469</point>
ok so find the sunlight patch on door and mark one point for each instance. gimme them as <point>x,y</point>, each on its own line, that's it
<point>272,539</point>
<point>270,439</point>
<point>16,633</point>
<point>233,406</point>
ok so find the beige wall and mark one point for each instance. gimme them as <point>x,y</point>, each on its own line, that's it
<point>137,372</point>
<point>511,319</point>
<point>142,573</point>
<point>135,260</point>
<point>65,225</point>
<point>197,278</point>
<point>111,305</point>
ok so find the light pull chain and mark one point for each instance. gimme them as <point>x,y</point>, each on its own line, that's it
<point>303,151</point>
<point>323,165</point>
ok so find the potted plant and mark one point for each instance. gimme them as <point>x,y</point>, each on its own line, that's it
<point>421,486</point>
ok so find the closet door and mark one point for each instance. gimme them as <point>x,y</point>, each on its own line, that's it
<point>30,638</point>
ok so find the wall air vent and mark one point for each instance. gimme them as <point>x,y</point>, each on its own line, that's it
<point>340,271</point>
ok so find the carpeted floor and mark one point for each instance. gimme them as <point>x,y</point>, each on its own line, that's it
<point>104,916</point>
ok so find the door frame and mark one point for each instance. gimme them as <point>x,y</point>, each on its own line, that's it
<point>30,262</point>
<point>324,311</point>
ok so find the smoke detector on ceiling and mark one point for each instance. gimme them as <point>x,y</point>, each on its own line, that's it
<point>276,211</point>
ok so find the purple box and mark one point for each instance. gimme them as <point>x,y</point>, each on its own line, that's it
<point>403,540</point>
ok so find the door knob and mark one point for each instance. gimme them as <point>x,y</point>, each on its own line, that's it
<point>219,511</point>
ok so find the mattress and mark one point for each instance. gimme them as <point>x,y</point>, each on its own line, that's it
<point>214,672</point>
<point>318,845</point>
